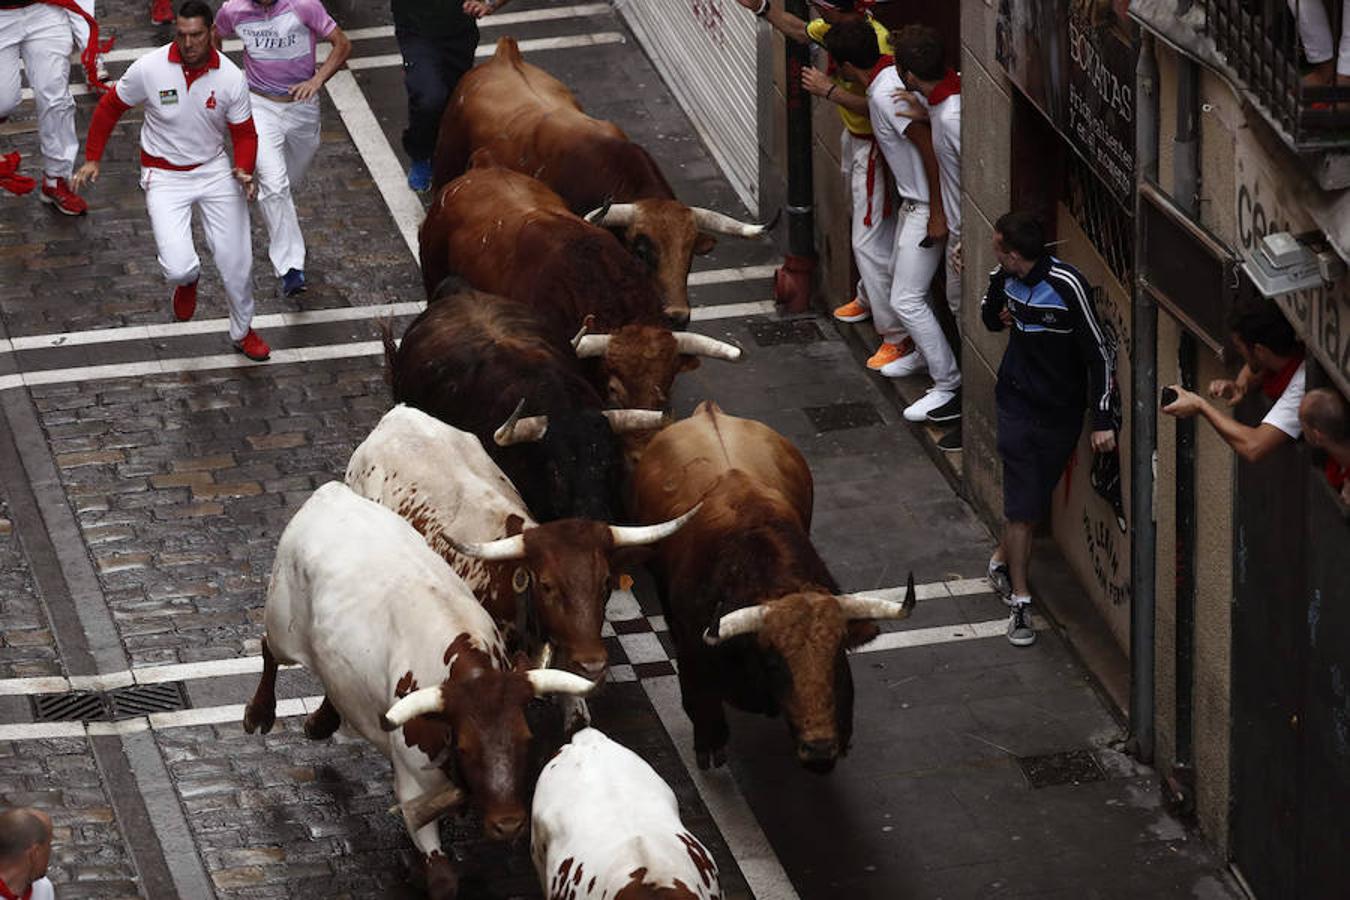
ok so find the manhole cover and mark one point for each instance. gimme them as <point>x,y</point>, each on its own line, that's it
<point>842,415</point>
<point>105,706</point>
<point>1070,767</point>
<point>789,331</point>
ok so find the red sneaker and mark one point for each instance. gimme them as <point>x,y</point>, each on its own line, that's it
<point>56,192</point>
<point>184,301</point>
<point>254,347</point>
<point>161,12</point>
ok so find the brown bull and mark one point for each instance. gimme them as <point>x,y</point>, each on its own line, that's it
<point>530,122</point>
<point>758,620</point>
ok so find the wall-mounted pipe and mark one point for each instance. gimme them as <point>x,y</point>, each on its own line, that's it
<point>795,280</point>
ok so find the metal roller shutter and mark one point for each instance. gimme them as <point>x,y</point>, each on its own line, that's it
<point>705,51</point>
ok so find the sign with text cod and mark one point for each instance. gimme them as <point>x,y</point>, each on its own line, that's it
<point>1075,60</point>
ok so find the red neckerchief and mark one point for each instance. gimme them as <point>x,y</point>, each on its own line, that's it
<point>948,86</point>
<point>1336,473</point>
<point>10,179</point>
<point>880,67</point>
<point>89,58</point>
<point>7,894</point>
<point>1275,384</point>
<point>191,75</point>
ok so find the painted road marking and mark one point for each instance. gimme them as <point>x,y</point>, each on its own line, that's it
<point>620,609</point>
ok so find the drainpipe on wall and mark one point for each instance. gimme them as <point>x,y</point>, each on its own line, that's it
<point>1143,428</point>
<point>794,281</point>
<point>1186,171</point>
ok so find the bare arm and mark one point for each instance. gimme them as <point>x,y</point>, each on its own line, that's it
<point>342,48</point>
<point>793,28</point>
<point>819,84</point>
<point>919,133</point>
<point>1250,443</point>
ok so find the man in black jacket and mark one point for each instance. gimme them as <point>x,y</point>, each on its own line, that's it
<point>1057,362</point>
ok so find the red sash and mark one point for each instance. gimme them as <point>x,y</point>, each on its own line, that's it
<point>89,58</point>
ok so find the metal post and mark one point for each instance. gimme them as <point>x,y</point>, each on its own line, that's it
<point>1143,429</point>
<point>794,281</point>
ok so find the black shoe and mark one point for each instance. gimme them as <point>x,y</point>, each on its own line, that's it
<point>947,412</point>
<point>951,441</point>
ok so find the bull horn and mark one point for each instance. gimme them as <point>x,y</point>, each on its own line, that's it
<point>859,607</point>
<point>556,681</point>
<point>641,535</point>
<point>591,345</point>
<point>501,550</point>
<point>719,223</point>
<point>691,344</point>
<point>429,806</point>
<point>520,431</point>
<point>418,703</point>
<point>586,325</point>
<point>622,421</point>
<point>737,622</point>
<point>615,215</point>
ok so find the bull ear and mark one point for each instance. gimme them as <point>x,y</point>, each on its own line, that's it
<point>704,244</point>
<point>859,632</point>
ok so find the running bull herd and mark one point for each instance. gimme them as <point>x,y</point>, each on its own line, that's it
<point>462,568</point>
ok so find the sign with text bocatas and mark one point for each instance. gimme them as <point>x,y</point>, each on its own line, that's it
<point>1267,195</point>
<point>1075,60</point>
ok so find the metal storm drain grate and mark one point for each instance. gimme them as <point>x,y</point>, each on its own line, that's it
<point>790,331</point>
<point>1070,767</point>
<point>839,416</point>
<point>109,706</point>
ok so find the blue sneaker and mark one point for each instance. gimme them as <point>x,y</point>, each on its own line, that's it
<point>419,176</point>
<point>293,282</point>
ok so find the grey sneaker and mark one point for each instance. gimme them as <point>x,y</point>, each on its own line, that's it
<point>1000,578</point>
<point>1020,632</point>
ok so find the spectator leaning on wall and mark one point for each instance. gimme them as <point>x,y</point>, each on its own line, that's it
<point>1326,426</point>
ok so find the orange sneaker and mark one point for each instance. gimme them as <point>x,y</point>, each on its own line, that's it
<point>853,311</point>
<point>889,353</point>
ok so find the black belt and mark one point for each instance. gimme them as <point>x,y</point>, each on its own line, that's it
<point>17,5</point>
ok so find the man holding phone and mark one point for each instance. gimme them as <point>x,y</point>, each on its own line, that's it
<point>1057,361</point>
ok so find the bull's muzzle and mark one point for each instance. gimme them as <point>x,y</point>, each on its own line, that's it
<point>819,755</point>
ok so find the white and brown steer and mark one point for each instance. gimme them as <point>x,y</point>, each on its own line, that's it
<point>443,482</point>
<point>604,825</point>
<point>409,660</point>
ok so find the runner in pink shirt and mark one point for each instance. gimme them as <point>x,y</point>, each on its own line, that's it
<point>280,38</point>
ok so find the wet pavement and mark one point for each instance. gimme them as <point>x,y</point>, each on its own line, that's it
<point>145,477</point>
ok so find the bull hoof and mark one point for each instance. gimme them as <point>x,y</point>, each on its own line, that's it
<point>442,879</point>
<point>321,723</point>
<point>255,719</point>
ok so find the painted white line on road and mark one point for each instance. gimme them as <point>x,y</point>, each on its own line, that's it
<point>385,169</point>
<point>741,273</point>
<point>941,634</point>
<point>537,45</point>
<point>749,847</point>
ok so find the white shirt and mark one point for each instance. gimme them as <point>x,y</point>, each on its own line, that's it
<point>183,125</point>
<point>889,129</point>
<point>43,890</point>
<point>1284,414</point>
<point>945,121</point>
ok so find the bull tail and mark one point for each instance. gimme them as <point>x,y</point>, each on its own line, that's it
<point>509,51</point>
<point>386,327</point>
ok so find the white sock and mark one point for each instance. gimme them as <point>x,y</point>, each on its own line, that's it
<point>1021,599</point>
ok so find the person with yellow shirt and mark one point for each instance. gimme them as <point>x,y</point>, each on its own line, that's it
<point>864,167</point>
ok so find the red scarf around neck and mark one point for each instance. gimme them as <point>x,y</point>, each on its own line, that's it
<point>1276,382</point>
<point>947,87</point>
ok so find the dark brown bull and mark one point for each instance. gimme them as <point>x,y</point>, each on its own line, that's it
<point>472,359</point>
<point>530,122</point>
<point>757,619</point>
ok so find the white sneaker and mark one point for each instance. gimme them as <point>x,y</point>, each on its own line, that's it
<point>910,364</point>
<point>101,67</point>
<point>918,410</point>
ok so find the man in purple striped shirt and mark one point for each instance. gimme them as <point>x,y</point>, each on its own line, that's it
<point>280,38</point>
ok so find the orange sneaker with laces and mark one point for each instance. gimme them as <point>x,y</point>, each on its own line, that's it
<point>889,353</point>
<point>853,311</point>
<point>254,347</point>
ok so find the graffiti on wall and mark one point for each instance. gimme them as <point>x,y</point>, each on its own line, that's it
<point>708,13</point>
<point>1109,553</point>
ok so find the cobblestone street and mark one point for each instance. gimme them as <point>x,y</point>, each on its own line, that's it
<point>146,474</point>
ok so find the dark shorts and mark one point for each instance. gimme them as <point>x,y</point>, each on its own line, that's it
<point>1035,447</point>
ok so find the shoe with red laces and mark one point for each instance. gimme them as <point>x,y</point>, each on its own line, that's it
<point>56,192</point>
<point>184,301</point>
<point>254,347</point>
<point>161,12</point>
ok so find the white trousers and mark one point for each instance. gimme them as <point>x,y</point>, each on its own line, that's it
<point>872,244</point>
<point>170,197</point>
<point>78,26</point>
<point>41,35</point>
<point>288,137</point>
<point>911,278</point>
<point>1314,30</point>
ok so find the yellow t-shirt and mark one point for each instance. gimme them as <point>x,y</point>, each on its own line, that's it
<point>858,123</point>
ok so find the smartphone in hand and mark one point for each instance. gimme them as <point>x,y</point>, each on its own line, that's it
<point>1168,397</point>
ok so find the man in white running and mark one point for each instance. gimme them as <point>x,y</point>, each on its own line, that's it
<point>40,32</point>
<point>280,38</point>
<point>192,95</point>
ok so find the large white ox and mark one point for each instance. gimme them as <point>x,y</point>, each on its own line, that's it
<point>604,824</point>
<point>409,660</point>
<point>442,481</point>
